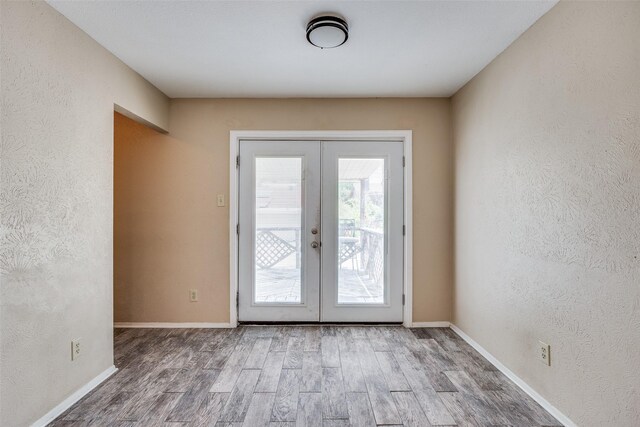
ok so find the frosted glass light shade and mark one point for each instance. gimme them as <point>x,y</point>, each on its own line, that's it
<point>327,32</point>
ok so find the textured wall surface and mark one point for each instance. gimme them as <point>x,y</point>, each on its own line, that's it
<point>548,209</point>
<point>191,236</point>
<point>58,91</point>
<point>163,236</point>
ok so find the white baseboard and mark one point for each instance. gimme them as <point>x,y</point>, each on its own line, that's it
<point>516,379</point>
<point>77,395</point>
<point>170,325</point>
<point>430,324</point>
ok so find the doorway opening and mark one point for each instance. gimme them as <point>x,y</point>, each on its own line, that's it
<point>320,231</point>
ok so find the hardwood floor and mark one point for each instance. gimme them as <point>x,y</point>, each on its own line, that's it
<point>302,376</point>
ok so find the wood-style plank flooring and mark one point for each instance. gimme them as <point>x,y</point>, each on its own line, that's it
<point>302,376</point>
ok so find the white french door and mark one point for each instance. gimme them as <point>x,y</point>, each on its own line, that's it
<point>320,231</point>
<point>279,270</point>
<point>362,238</point>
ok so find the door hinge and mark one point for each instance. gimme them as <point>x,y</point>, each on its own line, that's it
<point>404,230</point>
<point>403,299</point>
<point>237,300</point>
<point>238,229</point>
<point>403,161</point>
<point>237,162</point>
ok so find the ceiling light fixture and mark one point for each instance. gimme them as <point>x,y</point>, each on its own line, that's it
<point>327,31</point>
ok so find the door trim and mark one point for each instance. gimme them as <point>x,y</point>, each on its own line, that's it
<point>400,136</point>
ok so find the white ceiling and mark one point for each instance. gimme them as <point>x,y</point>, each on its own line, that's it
<point>258,48</point>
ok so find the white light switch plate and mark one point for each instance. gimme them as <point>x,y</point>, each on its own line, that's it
<point>220,200</point>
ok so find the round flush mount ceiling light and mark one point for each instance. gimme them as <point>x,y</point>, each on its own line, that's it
<point>327,31</point>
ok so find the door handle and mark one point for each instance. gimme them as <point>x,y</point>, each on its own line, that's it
<point>314,230</point>
<point>314,245</point>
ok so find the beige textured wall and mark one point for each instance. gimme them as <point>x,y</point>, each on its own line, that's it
<point>548,209</point>
<point>58,91</point>
<point>162,254</point>
<point>163,231</point>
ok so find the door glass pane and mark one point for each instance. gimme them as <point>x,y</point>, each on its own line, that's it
<point>278,252</point>
<point>361,225</point>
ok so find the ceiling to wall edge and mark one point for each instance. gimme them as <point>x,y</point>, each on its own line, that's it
<point>446,95</point>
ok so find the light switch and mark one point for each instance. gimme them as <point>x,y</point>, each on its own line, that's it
<point>220,200</point>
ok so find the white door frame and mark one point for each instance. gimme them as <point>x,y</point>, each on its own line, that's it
<point>403,136</point>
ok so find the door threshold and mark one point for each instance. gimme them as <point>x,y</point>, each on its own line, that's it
<point>264,323</point>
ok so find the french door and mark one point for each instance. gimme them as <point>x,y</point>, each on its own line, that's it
<point>320,231</point>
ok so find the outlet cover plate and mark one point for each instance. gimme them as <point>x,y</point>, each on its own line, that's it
<point>75,349</point>
<point>544,353</point>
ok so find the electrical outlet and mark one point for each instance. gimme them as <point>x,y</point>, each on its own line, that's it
<point>193,295</point>
<point>220,200</point>
<point>544,353</point>
<point>75,349</point>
